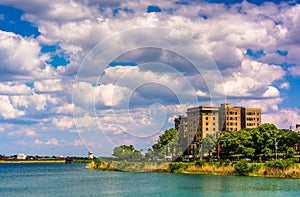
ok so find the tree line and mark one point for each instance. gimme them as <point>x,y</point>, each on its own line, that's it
<point>263,141</point>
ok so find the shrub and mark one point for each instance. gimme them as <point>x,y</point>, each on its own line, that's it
<point>290,153</point>
<point>242,167</point>
<point>227,163</point>
<point>174,166</point>
<point>280,164</point>
<point>200,163</point>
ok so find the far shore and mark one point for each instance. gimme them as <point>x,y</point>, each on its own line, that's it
<point>32,161</point>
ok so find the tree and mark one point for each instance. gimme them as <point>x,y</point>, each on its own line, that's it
<point>250,142</point>
<point>149,154</point>
<point>290,153</point>
<point>208,143</point>
<point>242,167</point>
<point>124,152</point>
<point>167,144</point>
<point>264,138</point>
<point>288,140</point>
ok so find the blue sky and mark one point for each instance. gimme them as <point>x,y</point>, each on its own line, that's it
<point>58,99</point>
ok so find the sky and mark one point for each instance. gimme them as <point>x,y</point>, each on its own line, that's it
<point>88,75</point>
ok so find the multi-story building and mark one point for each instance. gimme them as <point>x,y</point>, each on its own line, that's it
<point>251,117</point>
<point>200,121</point>
<point>230,118</point>
<point>181,127</point>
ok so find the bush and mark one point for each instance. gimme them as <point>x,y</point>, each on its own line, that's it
<point>255,167</point>
<point>242,167</point>
<point>227,163</point>
<point>200,163</point>
<point>290,153</point>
<point>280,164</point>
<point>174,166</point>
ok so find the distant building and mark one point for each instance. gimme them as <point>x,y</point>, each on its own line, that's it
<point>21,156</point>
<point>230,118</point>
<point>298,127</point>
<point>237,118</point>
<point>203,120</point>
<point>200,122</point>
<point>90,155</point>
<point>181,127</point>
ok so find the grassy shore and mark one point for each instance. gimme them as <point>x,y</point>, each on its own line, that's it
<point>281,169</point>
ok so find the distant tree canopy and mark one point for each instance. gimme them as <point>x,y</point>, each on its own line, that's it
<point>127,152</point>
<point>167,145</point>
<point>259,141</point>
<point>208,143</point>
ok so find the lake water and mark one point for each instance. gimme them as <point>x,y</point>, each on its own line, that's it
<point>75,180</point>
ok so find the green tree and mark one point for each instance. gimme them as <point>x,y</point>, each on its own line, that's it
<point>250,142</point>
<point>290,153</point>
<point>242,167</point>
<point>167,144</point>
<point>149,154</point>
<point>208,143</point>
<point>123,152</point>
<point>264,138</point>
<point>288,140</point>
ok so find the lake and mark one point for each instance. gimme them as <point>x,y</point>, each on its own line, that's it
<point>75,180</point>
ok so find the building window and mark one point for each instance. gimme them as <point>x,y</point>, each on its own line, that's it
<point>214,118</point>
<point>206,129</point>
<point>206,124</point>
<point>206,118</point>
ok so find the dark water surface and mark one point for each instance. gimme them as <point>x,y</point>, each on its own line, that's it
<point>75,180</point>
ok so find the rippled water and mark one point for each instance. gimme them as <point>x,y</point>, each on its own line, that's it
<point>75,180</point>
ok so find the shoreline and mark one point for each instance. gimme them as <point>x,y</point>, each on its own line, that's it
<point>254,169</point>
<point>31,161</point>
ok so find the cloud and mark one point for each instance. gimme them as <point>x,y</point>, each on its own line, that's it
<point>252,79</point>
<point>22,132</point>
<point>51,141</point>
<point>267,105</point>
<point>33,90</point>
<point>7,110</point>
<point>38,102</point>
<point>48,85</point>
<point>14,88</point>
<point>66,108</point>
<point>64,123</point>
<point>20,58</point>
<point>271,92</point>
<point>295,71</point>
<point>285,85</point>
<point>284,118</point>
<point>58,10</point>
